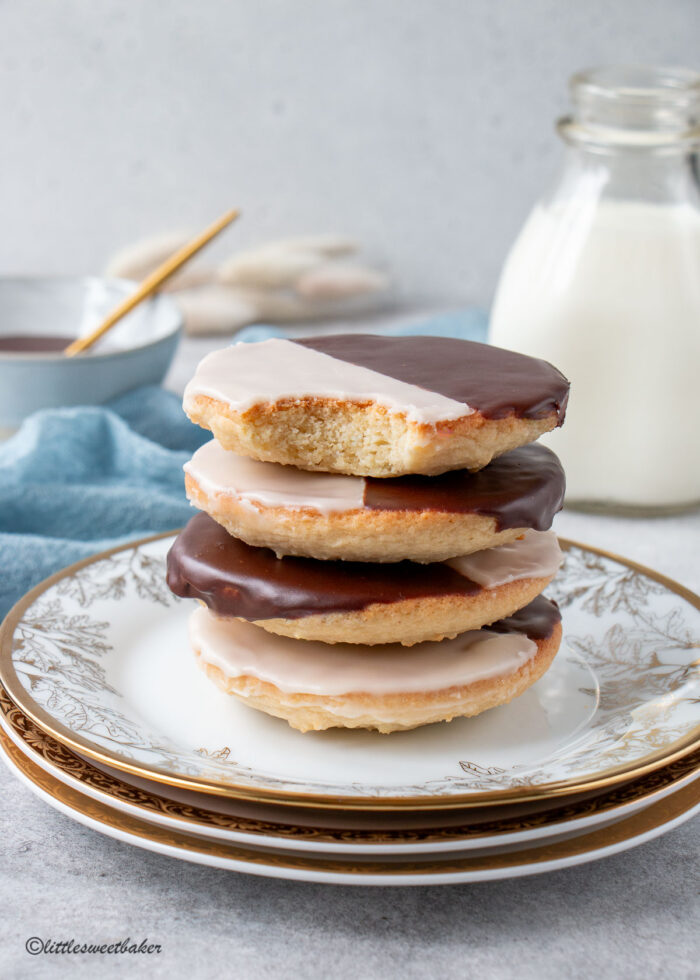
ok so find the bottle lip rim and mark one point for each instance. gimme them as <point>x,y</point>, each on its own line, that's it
<point>638,84</point>
<point>611,138</point>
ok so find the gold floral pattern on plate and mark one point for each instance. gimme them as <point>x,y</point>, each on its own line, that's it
<point>631,632</point>
<point>67,763</point>
<point>453,867</point>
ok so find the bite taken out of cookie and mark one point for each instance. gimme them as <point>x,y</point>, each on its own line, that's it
<point>378,406</point>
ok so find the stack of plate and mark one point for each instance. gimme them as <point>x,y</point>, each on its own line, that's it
<point>105,715</point>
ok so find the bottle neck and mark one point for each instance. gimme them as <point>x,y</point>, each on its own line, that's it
<point>634,110</point>
<point>664,179</point>
<point>634,134</point>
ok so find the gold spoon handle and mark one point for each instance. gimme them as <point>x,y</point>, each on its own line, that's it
<point>152,282</point>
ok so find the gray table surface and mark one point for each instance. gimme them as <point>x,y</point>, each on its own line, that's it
<point>631,915</point>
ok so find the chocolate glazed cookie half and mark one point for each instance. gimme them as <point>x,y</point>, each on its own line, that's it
<point>357,602</point>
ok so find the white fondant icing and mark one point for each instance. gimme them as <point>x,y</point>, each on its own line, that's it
<point>219,471</point>
<point>245,375</point>
<point>535,555</point>
<point>301,666</point>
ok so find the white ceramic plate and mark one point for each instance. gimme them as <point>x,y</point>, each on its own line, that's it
<point>333,869</point>
<point>98,656</point>
<point>235,821</point>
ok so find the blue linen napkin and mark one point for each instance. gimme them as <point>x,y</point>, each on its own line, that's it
<point>76,481</point>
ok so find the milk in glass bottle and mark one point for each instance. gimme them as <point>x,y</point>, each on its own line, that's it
<point>604,282</point>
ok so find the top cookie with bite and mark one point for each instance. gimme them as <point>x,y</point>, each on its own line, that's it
<point>377,406</point>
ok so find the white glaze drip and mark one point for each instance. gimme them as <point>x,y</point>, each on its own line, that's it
<point>219,471</point>
<point>301,666</point>
<point>534,555</point>
<point>245,375</point>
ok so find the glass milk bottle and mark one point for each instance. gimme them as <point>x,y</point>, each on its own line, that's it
<point>604,282</point>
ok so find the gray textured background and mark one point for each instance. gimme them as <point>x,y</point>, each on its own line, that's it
<point>424,127</point>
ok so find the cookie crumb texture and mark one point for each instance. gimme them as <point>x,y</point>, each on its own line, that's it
<point>361,438</point>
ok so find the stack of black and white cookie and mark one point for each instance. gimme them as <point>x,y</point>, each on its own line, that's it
<point>374,534</point>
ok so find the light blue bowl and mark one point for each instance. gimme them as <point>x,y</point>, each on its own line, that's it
<point>137,351</point>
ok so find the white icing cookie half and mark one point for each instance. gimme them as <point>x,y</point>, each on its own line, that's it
<point>315,687</point>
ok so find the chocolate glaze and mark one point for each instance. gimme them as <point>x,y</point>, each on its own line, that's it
<point>236,579</point>
<point>33,343</point>
<point>493,381</point>
<point>522,488</point>
<point>537,620</point>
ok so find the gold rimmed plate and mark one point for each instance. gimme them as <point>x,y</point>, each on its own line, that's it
<point>326,831</point>
<point>98,657</point>
<point>453,868</point>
